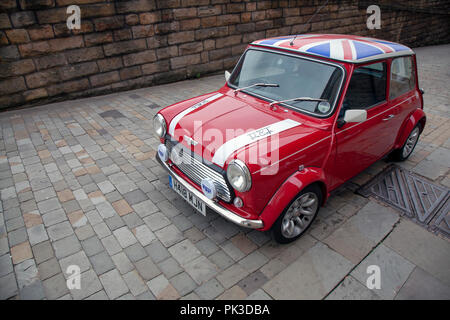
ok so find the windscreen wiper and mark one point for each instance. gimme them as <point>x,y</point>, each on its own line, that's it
<point>273,85</point>
<point>298,99</point>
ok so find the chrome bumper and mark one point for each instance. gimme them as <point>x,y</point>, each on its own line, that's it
<point>227,214</point>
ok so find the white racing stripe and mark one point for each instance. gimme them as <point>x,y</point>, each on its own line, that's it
<point>225,150</point>
<point>178,117</point>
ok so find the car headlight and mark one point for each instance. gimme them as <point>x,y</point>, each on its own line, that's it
<point>159,124</point>
<point>239,176</point>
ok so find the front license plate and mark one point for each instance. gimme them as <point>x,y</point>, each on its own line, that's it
<point>198,204</point>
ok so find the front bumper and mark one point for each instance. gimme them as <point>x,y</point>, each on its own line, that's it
<point>227,214</point>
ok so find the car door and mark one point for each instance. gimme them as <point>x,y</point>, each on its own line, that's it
<point>358,145</point>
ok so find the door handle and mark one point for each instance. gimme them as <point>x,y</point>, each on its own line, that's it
<point>389,117</point>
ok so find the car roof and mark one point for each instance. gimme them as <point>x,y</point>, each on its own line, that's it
<point>347,48</point>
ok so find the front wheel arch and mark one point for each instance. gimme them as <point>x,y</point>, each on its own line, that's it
<point>277,228</point>
<point>289,190</point>
<point>323,189</point>
<point>422,122</point>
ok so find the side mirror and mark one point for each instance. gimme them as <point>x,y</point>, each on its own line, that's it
<point>355,115</point>
<point>422,91</point>
<point>227,76</point>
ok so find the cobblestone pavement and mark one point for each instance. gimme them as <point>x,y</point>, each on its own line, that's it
<point>79,186</point>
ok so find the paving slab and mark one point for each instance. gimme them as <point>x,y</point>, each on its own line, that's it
<point>352,289</point>
<point>125,237</point>
<point>66,246</point>
<point>5,265</point>
<point>421,248</point>
<point>49,268</point>
<point>184,252</point>
<point>90,284</point>
<point>122,263</point>
<point>169,235</point>
<point>147,269</point>
<point>8,286</point>
<point>101,262</point>
<point>201,269</point>
<point>423,286</point>
<point>363,231</point>
<point>43,251</point>
<point>259,295</point>
<point>135,282</point>
<point>78,259</point>
<point>209,290</point>
<point>234,293</point>
<point>394,271</point>
<point>113,284</point>
<point>34,291</point>
<point>183,283</point>
<point>253,282</point>
<point>55,287</point>
<point>312,276</point>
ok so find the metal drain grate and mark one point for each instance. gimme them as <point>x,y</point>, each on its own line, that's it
<point>112,114</point>
<point>420,200</point>
<point>426,197</point>
<point>442,220</point>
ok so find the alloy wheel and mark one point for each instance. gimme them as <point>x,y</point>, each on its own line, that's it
<point>299,215</point>
<point>410,142</point>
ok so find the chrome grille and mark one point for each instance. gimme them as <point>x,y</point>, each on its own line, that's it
<point>197,171</point>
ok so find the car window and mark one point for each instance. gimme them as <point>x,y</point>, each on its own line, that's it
<point>367,87</point>
<point>402,77</point>
<point>295,76</point>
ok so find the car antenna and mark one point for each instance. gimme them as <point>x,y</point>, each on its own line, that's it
<point>309,20</point>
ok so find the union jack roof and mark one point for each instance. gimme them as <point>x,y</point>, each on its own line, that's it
<point>355,49</point>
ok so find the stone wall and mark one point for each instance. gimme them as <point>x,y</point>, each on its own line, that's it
<point>128,44</point>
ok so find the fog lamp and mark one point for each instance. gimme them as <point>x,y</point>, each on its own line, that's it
<point>163,154</point>
<point>238,203</point>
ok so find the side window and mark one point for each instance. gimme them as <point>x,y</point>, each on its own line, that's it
<point>402,77</point>
<point>367,87</point>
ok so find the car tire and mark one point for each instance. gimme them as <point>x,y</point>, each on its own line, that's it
<point>407,149</point>
<point>298,216</point>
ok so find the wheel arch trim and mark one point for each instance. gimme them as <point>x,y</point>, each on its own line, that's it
<point>289,190</point>
<point>418,116</point>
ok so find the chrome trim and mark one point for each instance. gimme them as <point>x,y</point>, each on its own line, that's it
<point>227,214</point>
<point>196,170</point>
<point>298,55</point>
<point>245,171</point>
<point>162,120</point>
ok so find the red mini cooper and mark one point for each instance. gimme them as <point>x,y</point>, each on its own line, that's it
<point>297,117</point>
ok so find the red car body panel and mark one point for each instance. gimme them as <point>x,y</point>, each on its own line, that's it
<point>330,155</point>
<point>288,190</point>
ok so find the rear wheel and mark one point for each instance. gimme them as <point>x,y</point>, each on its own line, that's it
<point>404,152</point>
<point>298,216</point>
